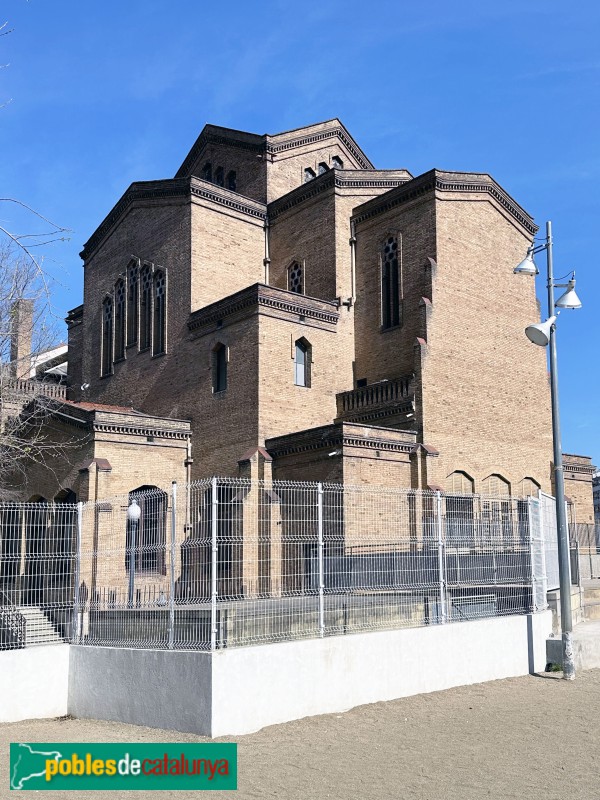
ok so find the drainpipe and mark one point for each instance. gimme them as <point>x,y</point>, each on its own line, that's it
<point>353,261</point>
<point>267,258</point>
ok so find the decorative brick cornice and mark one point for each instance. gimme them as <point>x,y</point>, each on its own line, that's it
<point>339,435</point>
<point>183,188</point>
<point>212,134</point>
<point>227,198</point>
<point>338,131</point>
<point>74,316</point>
<point>139,430</point>
<point>147,190</point>
<point>435,180</point>
<point>334,178</point>
<point>264,298</point>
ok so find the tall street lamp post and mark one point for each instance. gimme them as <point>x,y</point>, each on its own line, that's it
<point>543,334</point>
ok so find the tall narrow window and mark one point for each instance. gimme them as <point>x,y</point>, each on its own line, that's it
<point>220,176</point>
<point>231,180</point>
<point>219,365</point>
<point>145,539</point>
<point>119,320</point>
<point>160,312</point>
<point>302,359</point>
<point>145,307</point>
<point>133,285</point>
<point>460,517</point>
<point>390,296</point>
<point>496,514</point>
<point>296,278</point>
<point>323,168</point>
<point>107,336</point>
<point>337,163</point>
<point>309,174</point>
<point>207,171</point>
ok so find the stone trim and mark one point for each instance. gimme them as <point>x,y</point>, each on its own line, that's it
<point>336,436</point>
<point>332,178</point>
<point>444,182</point>
<point>138,430</point>
<point>264,297</point>
<point>168,189</point>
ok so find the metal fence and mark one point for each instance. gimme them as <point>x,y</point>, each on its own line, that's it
<point>228,562</point>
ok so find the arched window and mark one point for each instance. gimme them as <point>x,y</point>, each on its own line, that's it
<point>390,285</point>
<point>220,176</point>
<point>107,336</point>
<point>460,513</point>
<point>160,312</point>
<point>495,485</point>
<point>309,174</point>
<point>133,285</point>
<point>296,278</point>
<point>145,540</point>
<point>497,520</point>
<point>119,320</point>
<point>145,307</point>
<point>219,368</point>
<point>302,362</point>
<point>337,163</point>
<point>529,487</point>
<point>323,168</point>
<point>231,180</point>
<point>207,171</point>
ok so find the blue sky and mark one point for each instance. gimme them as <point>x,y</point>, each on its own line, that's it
<point>105,93</point>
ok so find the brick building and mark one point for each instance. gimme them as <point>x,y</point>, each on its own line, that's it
<point>282,308</point>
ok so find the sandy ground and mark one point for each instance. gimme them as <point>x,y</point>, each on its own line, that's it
<point>533,737</point>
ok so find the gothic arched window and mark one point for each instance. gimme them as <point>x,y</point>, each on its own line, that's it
<point>390,285</point>
<point>460,522</point>
<point>296,278</point>
<point>133,285</point>
<point>302,362</point>
<point>309,174</point>
<point>220,176</point>
<point>231,180</point>
<point>160,312</point>
<point>107,336</point>
<point>207,171</point>
<point>529,487</point>
<point>145,307</point>
<point>497,521</point>
<point>119,320</point>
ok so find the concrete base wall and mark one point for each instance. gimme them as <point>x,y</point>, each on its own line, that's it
<point>158,688</point>
<point>34,682</point>
<point>237,691</point>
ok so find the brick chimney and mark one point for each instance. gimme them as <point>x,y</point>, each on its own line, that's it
<point>21,334</point>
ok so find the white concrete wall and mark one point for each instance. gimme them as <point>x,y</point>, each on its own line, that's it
<point>240,690</point>
<point>258,686</point>
<point>34,682</point>
<point>157,688</point>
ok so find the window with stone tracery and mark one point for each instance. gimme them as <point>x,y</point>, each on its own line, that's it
<point>160,312</point>
<point>145,307</point>
<point>390,284</point>
<point>133,284</point>
<point>296,278</point>
<point>119,320</point>
<point>107,336</point>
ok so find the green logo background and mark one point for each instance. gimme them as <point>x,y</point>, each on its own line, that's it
<point>28,765</point>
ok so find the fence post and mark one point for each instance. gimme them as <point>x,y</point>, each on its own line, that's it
<point>172,566</point>
<point>213,572</point>
<point>440,539</point>
<point>77,575</point>
<point>321,565</point>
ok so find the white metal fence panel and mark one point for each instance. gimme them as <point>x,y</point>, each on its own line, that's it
<point>549,532</point>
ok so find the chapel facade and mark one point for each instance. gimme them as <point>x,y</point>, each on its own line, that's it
<point>282,309</point>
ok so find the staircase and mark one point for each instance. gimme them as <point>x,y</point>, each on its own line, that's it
<point>38,628</point>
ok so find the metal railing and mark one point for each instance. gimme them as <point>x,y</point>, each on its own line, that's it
<point>228,562</point>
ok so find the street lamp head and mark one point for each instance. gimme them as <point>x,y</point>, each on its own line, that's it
<point>569,299</point>
<point>527,266</point>
<point>134,512</point>
<point>540,333</point>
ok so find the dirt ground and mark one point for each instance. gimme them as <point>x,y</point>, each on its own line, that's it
<point>532,737</point>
